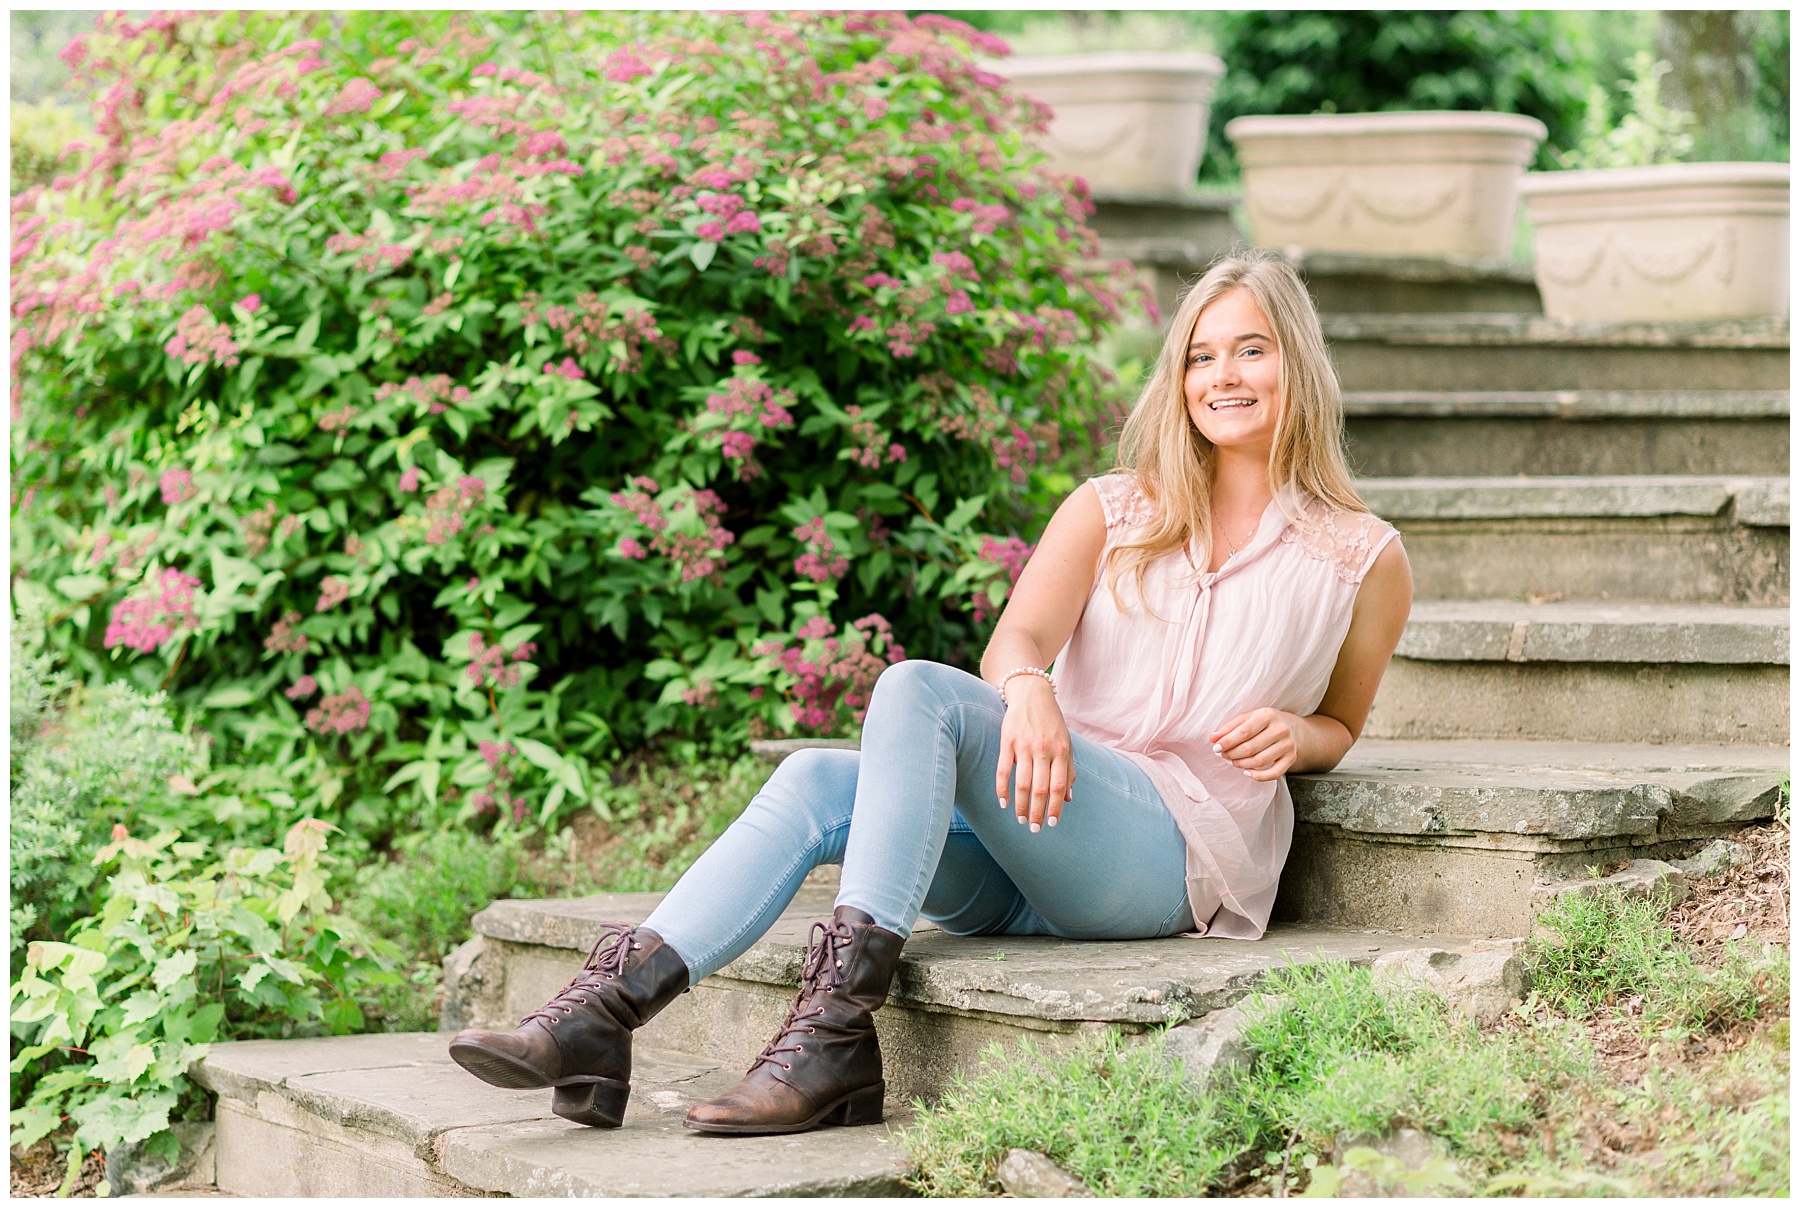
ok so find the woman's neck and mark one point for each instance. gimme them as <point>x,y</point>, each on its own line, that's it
<point>1240,483</point>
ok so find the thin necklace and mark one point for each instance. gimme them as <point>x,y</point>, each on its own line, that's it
<point>1234,546</point>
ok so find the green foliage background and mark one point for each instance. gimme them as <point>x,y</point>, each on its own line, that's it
<point>416,348</point>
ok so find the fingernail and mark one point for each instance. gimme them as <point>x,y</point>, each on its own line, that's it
<point>1247,774</point>
<point>1052,821</point>
<point>1021,819</point>
<point>1034,828</point>
<point>1217,749</point>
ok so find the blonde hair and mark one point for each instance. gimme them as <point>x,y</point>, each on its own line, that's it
<point>1173,463</point>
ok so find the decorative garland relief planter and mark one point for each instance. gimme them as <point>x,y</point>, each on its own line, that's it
<point>1132,124</point>
<point>1675,241</point>
<point>1435,183</point>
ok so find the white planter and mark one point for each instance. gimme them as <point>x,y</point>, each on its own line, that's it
<point>1132,124</point>
<point>1385,184</point>
<point>1676,241</point>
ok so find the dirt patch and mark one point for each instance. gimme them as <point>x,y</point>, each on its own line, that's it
<point>40,1170</point>
<point>1749,901</point>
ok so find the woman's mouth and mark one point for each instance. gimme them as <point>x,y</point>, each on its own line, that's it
<point>1230,404</point>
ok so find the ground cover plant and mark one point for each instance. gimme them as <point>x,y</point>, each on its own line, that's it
<point>438,417</point>
<point>1643,1063</point>
<point>141,933</point>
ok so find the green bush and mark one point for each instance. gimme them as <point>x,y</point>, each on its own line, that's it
<point>83,760</point>
<point>1369,61</point>
<point>441,406</point>
<point>188,946</point>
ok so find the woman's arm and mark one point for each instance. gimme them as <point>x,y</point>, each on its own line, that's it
<point>1045,607</point>
<point>1267,743</point>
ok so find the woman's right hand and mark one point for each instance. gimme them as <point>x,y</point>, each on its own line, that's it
<point>1034,740</point>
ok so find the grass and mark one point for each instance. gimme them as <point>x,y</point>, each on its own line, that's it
<point>1641,1065</point>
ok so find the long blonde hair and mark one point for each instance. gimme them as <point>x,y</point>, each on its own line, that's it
<point>1173,462</point>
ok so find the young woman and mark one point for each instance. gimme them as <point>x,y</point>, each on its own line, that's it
<point>1219,613</point>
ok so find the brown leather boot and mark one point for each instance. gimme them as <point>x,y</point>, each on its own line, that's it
<point>824,1065</point>
<point>580,1041</point>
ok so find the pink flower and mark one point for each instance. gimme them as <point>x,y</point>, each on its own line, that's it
<point>283,639</point>
<point>147,622</point>
<point>343,713</point>
<point>177,487</point>
<point>622,67</point>
<point>544,142</point>
<point>332,592</point>
<point>737,445</point>
<point>486,69</point>
<point>959,303</point>
<point>568,369</point>
<point>629,548</point>
<point>250,303</point>
<point>303,687</point>
<point>409,480</point>
<point>742,222</point>
<point>711,232</point>
<point>355,97</point>
<point>473,585</point>
<point>743,357</point>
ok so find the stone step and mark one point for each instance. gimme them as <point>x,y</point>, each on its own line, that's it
<point>1453,835</point>
<point>1664,673</point>
<point>1677,538</point>
<point>1343,283</point>
<point>952,995</point>
<point>1376,352</point>
<point>1400,433</point>
<point>390,1115</point>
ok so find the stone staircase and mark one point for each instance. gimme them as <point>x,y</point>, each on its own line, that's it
<point>1595,670</point>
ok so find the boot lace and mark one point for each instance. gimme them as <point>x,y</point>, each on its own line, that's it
<point>605,959</point>
<point>822,973</point>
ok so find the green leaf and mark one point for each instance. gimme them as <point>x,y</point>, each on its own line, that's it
<point>172,969</point>
<point>308,333</point>
<point>702,254</point>
<point>537,754</point>
<point>80,587</point>
<point>230,698</point>
<point>964,512</point>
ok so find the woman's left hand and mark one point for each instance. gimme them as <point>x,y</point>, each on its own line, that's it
<point>1261,743</point>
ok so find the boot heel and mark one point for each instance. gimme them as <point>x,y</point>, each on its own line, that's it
<point>864,1107</point>
<point>595,1104</point>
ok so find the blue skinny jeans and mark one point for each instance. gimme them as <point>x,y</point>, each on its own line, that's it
<point>914,821</point>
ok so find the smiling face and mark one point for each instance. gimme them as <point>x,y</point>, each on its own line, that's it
<point>1233,379</point>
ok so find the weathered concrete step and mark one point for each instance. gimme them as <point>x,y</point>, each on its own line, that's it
<point>1402,433</point>
<point>1453,835</point>
<point>1688,538</point>
<point>1756,501</point>
<point>1419,352</point>
<point>384,1116</point>
<point>1341,283</point>
<point>952,995</point>
<point>1666,673</point>
<point>1509,631</point>
<point>1177,254</point>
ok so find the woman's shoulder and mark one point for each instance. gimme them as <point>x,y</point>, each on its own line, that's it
<point>1122,500</point>
<point>1347,538</point>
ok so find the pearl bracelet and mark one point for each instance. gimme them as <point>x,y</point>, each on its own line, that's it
<point>1037,671</point>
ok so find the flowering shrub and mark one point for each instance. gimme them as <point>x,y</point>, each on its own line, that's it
<point>439,405</point>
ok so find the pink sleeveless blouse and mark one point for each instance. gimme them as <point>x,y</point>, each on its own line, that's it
<point>1264,630</point>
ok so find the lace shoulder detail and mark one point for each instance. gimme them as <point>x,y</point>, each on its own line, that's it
<point>1123,501</point>
<point>1348,540</point>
